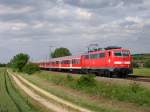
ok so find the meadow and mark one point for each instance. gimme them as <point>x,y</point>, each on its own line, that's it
<point>100,91</point>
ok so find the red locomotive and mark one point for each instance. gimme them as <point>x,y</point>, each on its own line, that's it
<point>108,61</point>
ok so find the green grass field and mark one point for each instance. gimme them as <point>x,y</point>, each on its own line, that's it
<point>141,71</point>
<point>102,91</point>
<point>10,99</point>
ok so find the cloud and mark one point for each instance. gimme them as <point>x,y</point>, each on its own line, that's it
<point>133,19</point>
<point>14,10</point>
<point>92,4</point>
<point>32,26</point>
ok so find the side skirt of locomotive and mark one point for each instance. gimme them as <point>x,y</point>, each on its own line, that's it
<point>109,72</point>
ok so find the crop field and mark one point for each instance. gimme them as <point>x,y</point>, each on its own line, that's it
<point>10,99</point>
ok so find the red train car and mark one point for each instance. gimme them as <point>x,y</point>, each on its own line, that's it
<point>109,61</point>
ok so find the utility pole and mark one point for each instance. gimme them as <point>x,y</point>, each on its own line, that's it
<point>50,51</point>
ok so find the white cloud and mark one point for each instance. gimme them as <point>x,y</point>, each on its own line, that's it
<point>14,10</point>
<point>83,13</point>
<point>8,26</point>
<point>133,19</point>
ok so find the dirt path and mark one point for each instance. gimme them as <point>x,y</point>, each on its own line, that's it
<point>59,106</point>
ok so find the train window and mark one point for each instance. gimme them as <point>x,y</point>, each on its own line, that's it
<point>65,62</point>
<point>118,53</point>
<point>102,55</point>
<point>57,62</point>
<point>99,55</point>
<point>125,53</point>
<point>75,61</point>
<point>86,56</point>
<point>53,62</point>
<point>94,56</point>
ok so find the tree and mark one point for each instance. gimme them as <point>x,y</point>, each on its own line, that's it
<point>60,52</point>
<point>19,61</point>
<point>2,65</point>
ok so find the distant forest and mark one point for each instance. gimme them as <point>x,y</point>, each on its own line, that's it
<point>2,65</point>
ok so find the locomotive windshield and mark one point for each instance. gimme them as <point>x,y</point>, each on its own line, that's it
<point>125,53</point>
<point>122,53</point>
<point>117,53</point>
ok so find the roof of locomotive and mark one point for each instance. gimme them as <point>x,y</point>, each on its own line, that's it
<point>105,49</point>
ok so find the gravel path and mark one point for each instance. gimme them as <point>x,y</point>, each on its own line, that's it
<point>59,106</point>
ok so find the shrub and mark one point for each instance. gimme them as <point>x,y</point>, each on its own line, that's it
<point>57,80</point>
<point>147,64</point>
<point>86,80</point>
<point>135,65</point>
<point>135,87</point>
<point>69,78</point>
<point>30,68</point>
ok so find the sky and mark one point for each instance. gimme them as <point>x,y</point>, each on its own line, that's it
<point>35,26</point>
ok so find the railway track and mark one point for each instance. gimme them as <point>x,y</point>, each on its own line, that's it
<point>139,78</point>
<point>130,77</point>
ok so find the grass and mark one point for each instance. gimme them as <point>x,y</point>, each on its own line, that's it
<point>6,104</point>
<point>10,99</point>
<point>69,95</point>
<point>141,71</point>
<point>132,93</point>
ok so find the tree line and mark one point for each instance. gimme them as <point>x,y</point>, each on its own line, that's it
<point>21,63</point>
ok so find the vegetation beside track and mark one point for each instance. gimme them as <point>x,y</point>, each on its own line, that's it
<point>141,60</point>
<point>10,98</point>
<point>132,93</point>
<point>141,71</point>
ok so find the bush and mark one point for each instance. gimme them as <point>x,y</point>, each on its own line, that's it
<point>30,68</point>
<point>86,80</point>
<point>147,64</point>
<point>135,87</point>
<point>135,65</point>
<point>69,77</point>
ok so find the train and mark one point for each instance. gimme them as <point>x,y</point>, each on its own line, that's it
<point>107,61</point>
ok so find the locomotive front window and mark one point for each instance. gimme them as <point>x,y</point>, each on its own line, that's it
<point>118,53</point>
<point>125,53</point>
<point>121,53</point>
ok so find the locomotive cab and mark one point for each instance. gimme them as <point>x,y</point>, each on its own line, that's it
<point>121,61</point>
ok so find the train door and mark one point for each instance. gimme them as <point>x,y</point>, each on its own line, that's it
<point>108,59</point>
<point>102,57</point>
